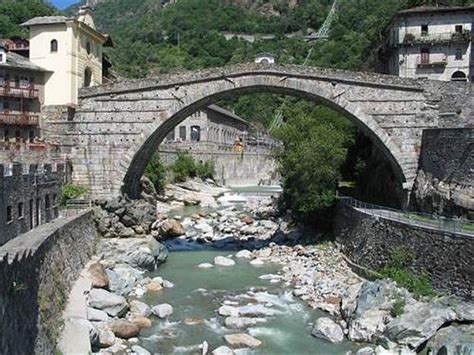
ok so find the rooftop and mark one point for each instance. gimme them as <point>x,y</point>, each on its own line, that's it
<point>45,20</point>
<point>16,61</point>
<point>436,9</point>
<point>228,113</point>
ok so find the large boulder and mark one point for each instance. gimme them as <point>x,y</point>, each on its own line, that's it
<point>223,350</point>
<point>124,329</point>
<point>368,320</point>
<point>140,308</point>
<point>419,322</point>
<point>162,310</point>
<point>242,340</point>
<point>171,228</point>
<point>122,279</point>
<point>93,331</point>
<point>146,254</point>
<point>455,339</point>
<point>114,305</point>
<point>96,315</point>
<point>98,276</point>
<point>326,328</point>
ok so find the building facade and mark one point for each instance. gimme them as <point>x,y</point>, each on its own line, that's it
<point>431,42</point>
<point>71,49</point>
<point>214,126</point>
<point>21,97</point>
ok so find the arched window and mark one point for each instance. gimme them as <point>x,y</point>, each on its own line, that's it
<point>87,77</point>
<point>88,47</point>
<point>459,76</point>
<point>54,46</point>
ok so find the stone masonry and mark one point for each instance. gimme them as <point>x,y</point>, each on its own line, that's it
<point>118,127</point>
<point>369,241</point>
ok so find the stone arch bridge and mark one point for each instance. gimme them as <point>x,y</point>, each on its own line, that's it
<point>116,128</point>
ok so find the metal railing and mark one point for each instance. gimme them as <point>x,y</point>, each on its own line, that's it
<point>26,92</point>
<point>459,226</point>
<point>443,37</point>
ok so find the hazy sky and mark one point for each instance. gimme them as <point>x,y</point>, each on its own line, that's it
<point>61,4</point>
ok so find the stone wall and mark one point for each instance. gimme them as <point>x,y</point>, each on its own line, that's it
<point>37,270</point>
<point>232,168</point>
<point>369,242</point>
<point>445,179</point>
<point>29,196</point>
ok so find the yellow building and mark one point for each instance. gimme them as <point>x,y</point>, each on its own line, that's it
<point>71,49</point>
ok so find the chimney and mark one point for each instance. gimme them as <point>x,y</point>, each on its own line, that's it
<point>3,54</point>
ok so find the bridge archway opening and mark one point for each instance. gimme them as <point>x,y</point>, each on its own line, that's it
<point>131,182</point>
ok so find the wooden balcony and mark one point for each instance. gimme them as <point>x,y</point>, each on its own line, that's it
<point>21,119</point>
<point>431,61</point>
<point>25,92</point>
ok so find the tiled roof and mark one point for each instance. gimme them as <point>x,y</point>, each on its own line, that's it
<point>17,61</point>
<point>45,20</point>
<point>225,112</point>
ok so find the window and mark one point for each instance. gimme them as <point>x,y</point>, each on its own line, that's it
<point>459,76</point>
<point>458,54</point>
<point>195,133</point>
<point>458,28</point>
<point>424,30</point>
<point>1,57</point>
<point>88,48</point>
<point>87,78</point>
<point>9,214</point>
<point>47,202</point>
<point>54,46</point>
<point>182,133</point>
<point>170,136</point>
<point>425,56</point>
<point>20,210</point>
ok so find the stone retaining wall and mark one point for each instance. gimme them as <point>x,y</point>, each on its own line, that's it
<point>369,242</point>
<point>233,168</point>
<point>37,270</point>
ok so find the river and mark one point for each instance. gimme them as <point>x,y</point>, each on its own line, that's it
<point>199,292</point>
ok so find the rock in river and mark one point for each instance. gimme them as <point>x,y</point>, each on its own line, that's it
<point>244,254</point>
<point>124,329</point>
<point>223,261</point>
<point>162,310</point>
<point>140,308</point>
<point>326,328</point>
<point>109,302</point>
<point>98,276</point>
<point>223,350</point>
<point>147,254</point>
<point>171,228</point>
<point>242,340</point>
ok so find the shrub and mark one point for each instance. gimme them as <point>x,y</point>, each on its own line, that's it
<point>183,167</point>
<point>397,270</point>
<point>397,308</point>
<point>205,170</point>
<point>70,191</point>
<point>156,172</point>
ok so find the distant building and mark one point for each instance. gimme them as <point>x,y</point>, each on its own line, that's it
<point>214,125</point>
<point>431,42</point>
<point>71,49</point>
<point>265,58</point>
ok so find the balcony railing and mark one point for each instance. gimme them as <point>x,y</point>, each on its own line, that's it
<point>26,92</point>
<point>437,38</point>
<point>431,61</point>
<point>22,119</point>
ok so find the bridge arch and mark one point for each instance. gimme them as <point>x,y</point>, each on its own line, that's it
<point>118,127</point>
<point>136,166</point>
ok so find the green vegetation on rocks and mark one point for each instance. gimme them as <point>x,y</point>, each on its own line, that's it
<point>70,192</point>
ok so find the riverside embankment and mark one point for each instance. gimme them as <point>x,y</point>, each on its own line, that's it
<point>203,271</point>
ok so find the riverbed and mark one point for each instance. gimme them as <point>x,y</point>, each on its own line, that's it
<point>198,294</point>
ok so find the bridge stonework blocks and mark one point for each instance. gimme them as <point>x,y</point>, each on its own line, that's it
<point>117,127</point>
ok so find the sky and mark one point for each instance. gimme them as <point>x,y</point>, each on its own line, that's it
<point>61,4</point>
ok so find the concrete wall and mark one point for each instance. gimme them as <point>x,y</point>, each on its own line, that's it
<point>232,168</point>
<point>369,242</point>
<point>37,271</point>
